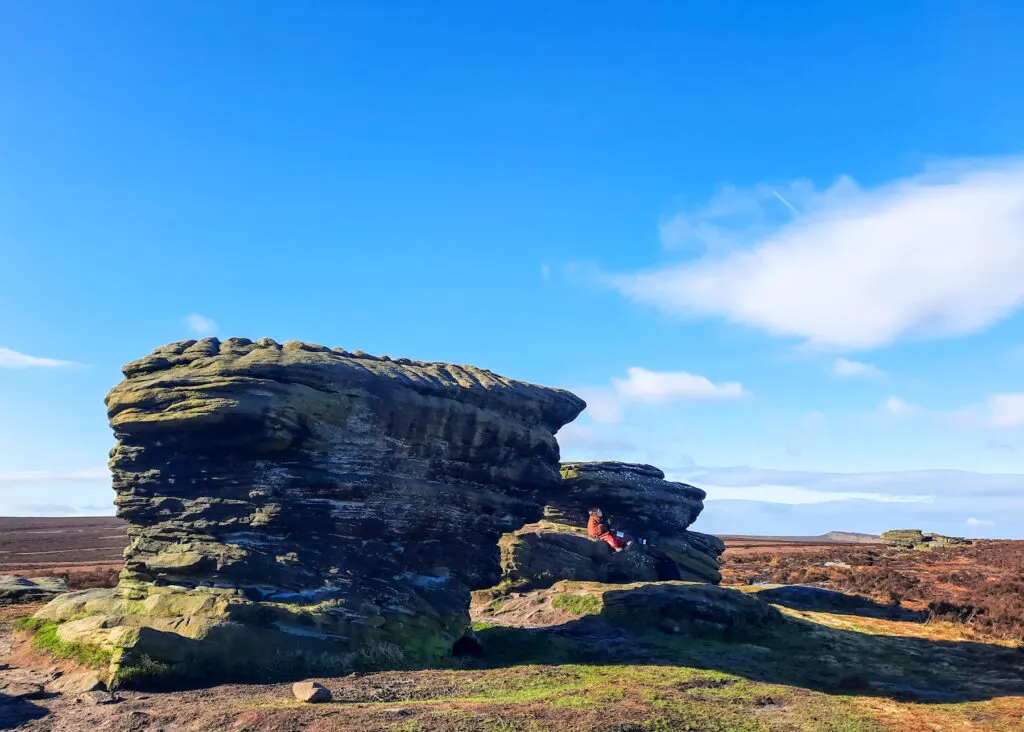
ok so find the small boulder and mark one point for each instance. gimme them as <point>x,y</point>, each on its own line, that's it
<point>311,692</point>
<point>94,698</point>
<point>78,683</point>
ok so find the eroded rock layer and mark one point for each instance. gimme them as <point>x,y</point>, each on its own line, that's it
<point>294,502</point>
<point>638,501</point>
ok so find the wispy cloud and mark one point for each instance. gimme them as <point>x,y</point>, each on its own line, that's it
<point>999,411</point>
<point>13,360</point>
<point>200,324</point>
<point>41,477</point>
<point>979,522</point>
<point>936,255</point>
<point>898,407</point>
<point>604,404</point>
<point>757,500</point>
<point>855,369</point>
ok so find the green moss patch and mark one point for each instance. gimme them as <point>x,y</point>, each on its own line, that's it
<point>47,641</point>
<point>578,604</point>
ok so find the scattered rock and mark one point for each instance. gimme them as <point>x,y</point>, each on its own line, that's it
<point>93,698</point>
<point>289,501</point>
<point>311,692</point>
<point>14,589</point>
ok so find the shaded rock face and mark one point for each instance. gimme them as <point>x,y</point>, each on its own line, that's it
<point>916,539</point>
<point>699,610</point>
<point>638,501</point>
<point>298,501</point>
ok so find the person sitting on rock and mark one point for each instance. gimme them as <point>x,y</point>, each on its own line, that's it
<point>598,529</point>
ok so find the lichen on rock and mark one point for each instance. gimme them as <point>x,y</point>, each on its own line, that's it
<point>297,506</point>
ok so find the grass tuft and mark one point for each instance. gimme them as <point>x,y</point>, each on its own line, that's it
<point>47,641</point>
<point>579,604</point>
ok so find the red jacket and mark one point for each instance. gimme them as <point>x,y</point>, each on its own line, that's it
<point>595,527</point>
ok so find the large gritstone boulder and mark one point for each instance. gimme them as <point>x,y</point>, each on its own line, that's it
<point>638,501</point>
<point>293,507</point>
<point>916,539</point>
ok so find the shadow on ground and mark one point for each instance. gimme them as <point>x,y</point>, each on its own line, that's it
<point>15,711</point>
<point>818,599</point>
<point>787,650</point>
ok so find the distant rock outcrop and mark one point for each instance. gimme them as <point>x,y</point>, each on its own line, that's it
<point>14,589</point>
<point>639,502</point>
<point>296,507</point>
<point>916,539</point>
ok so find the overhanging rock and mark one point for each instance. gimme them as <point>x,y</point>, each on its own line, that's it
<point>293,506</point>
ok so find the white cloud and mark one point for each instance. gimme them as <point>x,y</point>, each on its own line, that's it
<point>935,255</point>
<point>661,386</point>
<point>604,404</point>
<point>798,495</point>
<point>13,360</point>
<point>41,477</point>
<point>897,407</point>
<point>545,272</point>
<point>200,324</point>
<point>999,411</point>
<point>795,502</point>
<point>1005,410</point>
<point>854,369</point>
<point>979,522</point>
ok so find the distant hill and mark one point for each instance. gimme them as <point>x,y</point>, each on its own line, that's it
<point>851,537</point>
<point>832,537</point>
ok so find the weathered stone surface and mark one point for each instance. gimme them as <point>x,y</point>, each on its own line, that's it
<point>78,682</point>
<point>94,698</point>
<point>311,692</point>
<point>636,498</point>
<point>638,501</point>
<point>297,507</point>
<point>29,589</point>
<point>916,539</point>
<point>701,610</point>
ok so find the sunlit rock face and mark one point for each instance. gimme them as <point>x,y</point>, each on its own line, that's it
<point>310,505</point>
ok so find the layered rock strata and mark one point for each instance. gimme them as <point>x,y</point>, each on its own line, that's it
<point>297,505</point>
<point>638,501</point>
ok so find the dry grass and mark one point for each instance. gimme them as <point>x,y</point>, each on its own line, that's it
<point>978,586</point>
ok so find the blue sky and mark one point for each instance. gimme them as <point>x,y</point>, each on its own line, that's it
<point>779,248</point>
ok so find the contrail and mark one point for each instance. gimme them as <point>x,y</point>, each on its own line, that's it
<point>789,205</point>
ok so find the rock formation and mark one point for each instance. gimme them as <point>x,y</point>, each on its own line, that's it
<point>15,589</point>
<point>297,507</point>
<point>639,502</point>
<point>916,539</point>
